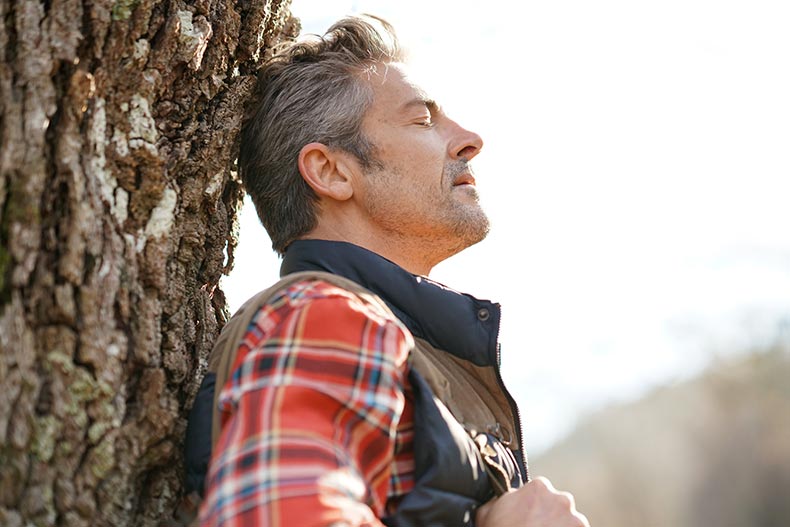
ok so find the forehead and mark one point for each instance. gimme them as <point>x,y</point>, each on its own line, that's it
<point>396,90</point>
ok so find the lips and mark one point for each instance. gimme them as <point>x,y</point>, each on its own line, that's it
<point>464,179</point>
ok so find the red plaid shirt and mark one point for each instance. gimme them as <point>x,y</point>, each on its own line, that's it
<point>317,421</point>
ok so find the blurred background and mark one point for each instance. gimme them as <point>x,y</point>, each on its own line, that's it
<point>637,174</point>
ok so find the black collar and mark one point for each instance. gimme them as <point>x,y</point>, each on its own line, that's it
<point>456,322</point>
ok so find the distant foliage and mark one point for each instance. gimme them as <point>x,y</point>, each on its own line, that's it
<point>711,452</point>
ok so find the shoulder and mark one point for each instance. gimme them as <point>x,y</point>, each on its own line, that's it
<point>317,307</point>
<point>315,334</point>
<point>339,292</point>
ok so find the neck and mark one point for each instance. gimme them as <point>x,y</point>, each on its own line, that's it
<point>408,253</point>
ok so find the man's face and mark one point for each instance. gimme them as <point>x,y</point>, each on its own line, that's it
<point>420,186</point>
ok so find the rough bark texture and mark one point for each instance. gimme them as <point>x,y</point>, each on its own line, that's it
<point>118,203</point>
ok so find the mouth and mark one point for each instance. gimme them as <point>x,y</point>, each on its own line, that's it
<point>464,179</point>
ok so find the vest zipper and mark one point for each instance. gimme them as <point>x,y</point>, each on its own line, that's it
<point>513,406</point>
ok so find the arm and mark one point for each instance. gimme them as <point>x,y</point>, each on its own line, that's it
<point>311,416</point>
<point>536,504</point>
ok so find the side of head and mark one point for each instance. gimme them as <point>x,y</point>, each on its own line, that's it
<point>311,92</point>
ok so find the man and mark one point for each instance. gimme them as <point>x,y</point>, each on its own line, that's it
<point>359,391</point>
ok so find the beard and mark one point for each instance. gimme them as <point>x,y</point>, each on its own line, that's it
<point>444,222</point>
<point>461,207</point>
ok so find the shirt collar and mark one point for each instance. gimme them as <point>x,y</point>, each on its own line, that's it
<point>455,322</point>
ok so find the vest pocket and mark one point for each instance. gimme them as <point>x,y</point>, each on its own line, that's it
<point>498,461</point>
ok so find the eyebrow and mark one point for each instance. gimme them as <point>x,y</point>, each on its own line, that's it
<point>430,104</point>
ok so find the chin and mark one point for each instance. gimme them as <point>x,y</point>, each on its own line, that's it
<point>474,231</point>
<point>468,189</point>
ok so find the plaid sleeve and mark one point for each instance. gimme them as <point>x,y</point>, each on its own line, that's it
<point>310,414</point>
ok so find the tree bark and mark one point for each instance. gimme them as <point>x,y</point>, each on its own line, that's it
<point>118,207</point>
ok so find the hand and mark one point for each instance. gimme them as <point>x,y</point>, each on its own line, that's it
<point>536,504</point>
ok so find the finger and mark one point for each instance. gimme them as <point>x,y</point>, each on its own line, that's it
<point>543,483</point>
<point>583,522</point>
<point>568,499</point>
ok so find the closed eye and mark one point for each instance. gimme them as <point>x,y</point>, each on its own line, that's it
<point>428,111</point>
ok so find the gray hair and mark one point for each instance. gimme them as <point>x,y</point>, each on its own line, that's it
<point>312,91</point>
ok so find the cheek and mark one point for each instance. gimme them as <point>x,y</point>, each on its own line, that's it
<point>413,142</point>
<point>415,161</point>
<point>425,164</point>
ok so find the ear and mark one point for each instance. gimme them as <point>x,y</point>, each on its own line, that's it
<point>325,171</point>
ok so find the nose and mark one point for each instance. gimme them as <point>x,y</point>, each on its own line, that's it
<point>465,143</point>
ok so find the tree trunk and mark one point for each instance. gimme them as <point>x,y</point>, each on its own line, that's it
<point>118,206</point>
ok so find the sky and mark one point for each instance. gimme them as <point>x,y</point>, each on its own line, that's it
<point>636,170</point>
